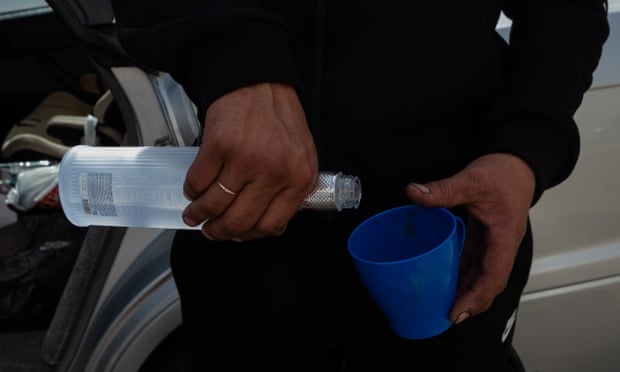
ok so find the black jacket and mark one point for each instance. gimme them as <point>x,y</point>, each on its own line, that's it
<point>395,91</point>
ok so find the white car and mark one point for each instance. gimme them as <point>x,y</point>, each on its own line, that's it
<point>119,310</point>
<point>566,318</point>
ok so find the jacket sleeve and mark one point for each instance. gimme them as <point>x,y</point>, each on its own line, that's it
<point>554,47</point>
<point>209,47</point>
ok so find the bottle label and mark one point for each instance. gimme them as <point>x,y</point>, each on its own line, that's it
<point>96,194</point>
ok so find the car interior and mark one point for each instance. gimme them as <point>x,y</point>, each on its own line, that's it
<point>51,271</point>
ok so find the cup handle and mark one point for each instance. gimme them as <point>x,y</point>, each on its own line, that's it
<point>460,230</point>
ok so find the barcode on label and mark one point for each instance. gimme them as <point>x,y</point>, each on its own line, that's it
<point>96,194</point>
<point>86,206</point>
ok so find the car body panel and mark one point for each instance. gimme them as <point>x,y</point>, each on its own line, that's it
<point>11,9</point>
<point>567,315</point>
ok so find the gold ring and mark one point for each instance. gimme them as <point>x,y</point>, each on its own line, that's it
<point>226,189</point>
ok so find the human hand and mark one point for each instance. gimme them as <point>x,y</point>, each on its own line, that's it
<point>257,145</point>
<point>497,192</point>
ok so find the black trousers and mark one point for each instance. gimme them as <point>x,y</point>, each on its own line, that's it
<point>295,303</point>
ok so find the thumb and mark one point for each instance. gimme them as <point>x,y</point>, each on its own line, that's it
<point>448,192</point>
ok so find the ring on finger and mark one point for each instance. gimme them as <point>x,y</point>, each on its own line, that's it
<point>226,189</point>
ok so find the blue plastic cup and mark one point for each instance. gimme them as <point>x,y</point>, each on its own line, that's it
<point>408,258</point>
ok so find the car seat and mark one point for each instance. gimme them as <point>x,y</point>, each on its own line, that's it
<point>56,124</point>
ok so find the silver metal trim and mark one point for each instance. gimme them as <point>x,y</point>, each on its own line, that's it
<point>23,13</point>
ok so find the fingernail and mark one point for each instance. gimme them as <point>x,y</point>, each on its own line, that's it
<point>423,189</point>
<point>189,221</point>
<point>462,317</point>
<point>237,240</point>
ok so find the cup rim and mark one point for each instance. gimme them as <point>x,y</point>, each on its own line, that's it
<point>411,206</point>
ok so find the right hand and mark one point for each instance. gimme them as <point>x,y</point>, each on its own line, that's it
<point>256,142</point>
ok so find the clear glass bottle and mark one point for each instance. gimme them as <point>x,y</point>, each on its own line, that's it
<point>142,187</point>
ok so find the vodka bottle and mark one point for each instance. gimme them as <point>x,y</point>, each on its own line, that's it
<point>143,187</point>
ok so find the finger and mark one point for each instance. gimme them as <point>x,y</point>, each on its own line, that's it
<point>469,270</point>
<point>448,192</point>
<point>490,281</point>
<point>238,219</point>
<point>201,173</point>
<point>210,204</point>
<point>478,298</point>
<point>473,250</point>
<point>276,217</point>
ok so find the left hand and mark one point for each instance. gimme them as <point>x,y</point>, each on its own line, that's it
<point>496,191</point>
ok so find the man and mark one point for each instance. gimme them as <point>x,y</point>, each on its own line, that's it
<point>423,101</point>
